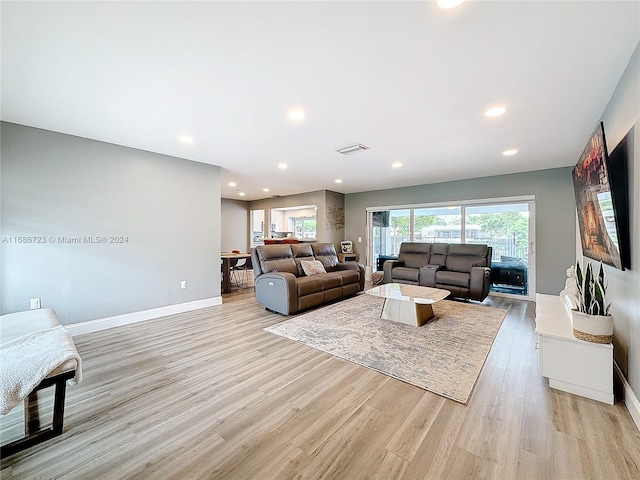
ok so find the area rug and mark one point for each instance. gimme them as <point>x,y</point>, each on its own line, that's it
<point>445,356</point>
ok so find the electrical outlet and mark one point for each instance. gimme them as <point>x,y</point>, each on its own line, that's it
<point>35,303</point>
<point>183,284</point>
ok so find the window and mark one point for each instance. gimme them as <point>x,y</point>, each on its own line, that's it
<point>431,224</point>
<point>399,229</point>
<point>304,227</point>
<point>293,222</point>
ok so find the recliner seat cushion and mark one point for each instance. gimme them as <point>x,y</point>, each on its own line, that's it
<point>331,280</point>
<point>349,277</point>
<point>453,278</point>
<point>464,263</point>
<point>405,273</point>
<point>309,285</point>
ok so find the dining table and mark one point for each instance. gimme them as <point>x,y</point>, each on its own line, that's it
<point>230,259</point>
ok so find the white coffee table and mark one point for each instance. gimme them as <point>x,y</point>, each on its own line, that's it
<point>410,304</point>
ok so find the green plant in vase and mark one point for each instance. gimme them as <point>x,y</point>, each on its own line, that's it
<point>592,321</point>
<point>592,291</point>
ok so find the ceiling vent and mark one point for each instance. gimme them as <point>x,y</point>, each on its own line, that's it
<point>358,147</point>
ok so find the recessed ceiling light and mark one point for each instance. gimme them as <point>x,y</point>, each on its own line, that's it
<point>511,151</point>
<point>449,3</point>
<point>186,139</point>
<point>396,164</point>
<point>232,184</point>
<point>296,115</point>
<point>338,180</point>
<point>242,194</point>
<point>495,111</point>
<point>282,165</point>
<point>265,189</point>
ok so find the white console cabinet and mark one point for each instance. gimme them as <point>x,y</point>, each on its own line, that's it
<point>572,365</point>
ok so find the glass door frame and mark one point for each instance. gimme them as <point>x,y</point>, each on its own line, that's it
<point>528,199</point>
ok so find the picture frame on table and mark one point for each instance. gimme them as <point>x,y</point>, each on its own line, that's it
<point>346,246</point>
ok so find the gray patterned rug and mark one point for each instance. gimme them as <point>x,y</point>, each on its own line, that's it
<point>444,356</point>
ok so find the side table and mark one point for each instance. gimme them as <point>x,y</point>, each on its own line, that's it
<point>348,257</point>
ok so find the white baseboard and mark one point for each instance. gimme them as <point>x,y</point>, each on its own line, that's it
<point>98,324</point>
<point>630,399</point>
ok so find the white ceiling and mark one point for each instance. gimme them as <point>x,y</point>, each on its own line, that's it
<point>408,79</point>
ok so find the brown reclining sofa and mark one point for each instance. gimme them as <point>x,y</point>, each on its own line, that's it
<point>282,286</point>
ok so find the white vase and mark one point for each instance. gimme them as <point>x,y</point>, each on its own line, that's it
<point>592,328</point>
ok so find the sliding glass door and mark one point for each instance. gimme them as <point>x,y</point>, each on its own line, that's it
<point>506,228</point>
<point>437,224</point>
<point>504,224</point>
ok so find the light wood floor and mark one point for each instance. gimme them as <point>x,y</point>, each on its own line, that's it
<point>209,394</point>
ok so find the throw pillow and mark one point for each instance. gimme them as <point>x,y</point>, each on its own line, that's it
<point>312,267</point>
<point>299,265</point>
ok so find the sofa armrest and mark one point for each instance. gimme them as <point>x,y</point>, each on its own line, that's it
<point>277,291</point>
<point>479,282</point>
<point>354,266</point>
<point>428,275</point>
<point>388,266</point>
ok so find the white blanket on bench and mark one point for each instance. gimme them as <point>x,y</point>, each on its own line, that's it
<point>29,359</point>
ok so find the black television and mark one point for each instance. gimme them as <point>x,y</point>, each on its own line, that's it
<point>600,184</point>
<point>381,219</point>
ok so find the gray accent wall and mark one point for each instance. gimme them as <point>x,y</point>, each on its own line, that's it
<point>322,199</point>
<point>621,115</point>
<point>555,213</point>
<point>334,218</point>
<point>234,229</point>
<point>67,194</point>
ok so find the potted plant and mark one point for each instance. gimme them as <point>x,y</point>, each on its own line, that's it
<point>592,321</point>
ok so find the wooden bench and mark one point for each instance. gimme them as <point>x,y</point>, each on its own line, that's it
<point>14,327</point>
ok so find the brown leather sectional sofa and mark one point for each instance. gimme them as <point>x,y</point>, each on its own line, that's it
<point>464,270</point>
<point>282,286</point>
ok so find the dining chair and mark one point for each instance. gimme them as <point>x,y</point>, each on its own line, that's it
<point>239,277</point>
